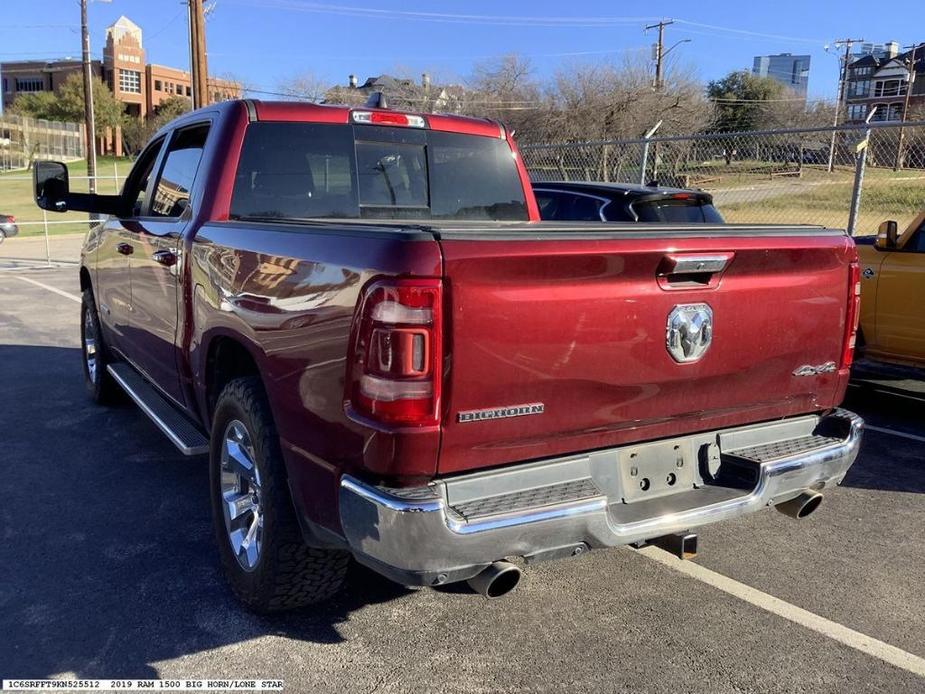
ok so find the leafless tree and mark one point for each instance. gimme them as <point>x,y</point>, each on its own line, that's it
<point>306,86</point>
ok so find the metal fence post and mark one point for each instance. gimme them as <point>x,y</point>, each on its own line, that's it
<point>860,163</point>
<point>645,153</point>
<point>47,249</point>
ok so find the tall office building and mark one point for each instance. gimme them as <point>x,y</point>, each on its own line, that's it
<point>790,70</point>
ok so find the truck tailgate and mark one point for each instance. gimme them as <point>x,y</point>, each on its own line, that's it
<point>578,324</point>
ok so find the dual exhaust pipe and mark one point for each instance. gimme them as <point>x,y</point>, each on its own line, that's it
<point>501,577</point>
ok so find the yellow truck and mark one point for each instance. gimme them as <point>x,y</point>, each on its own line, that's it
<point>893,294</point>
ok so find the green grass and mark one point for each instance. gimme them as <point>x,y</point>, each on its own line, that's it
<point>16,195</point>
<point>886,194</point>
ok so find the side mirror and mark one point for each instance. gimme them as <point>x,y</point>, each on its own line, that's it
<point>886,236</point>
<point>51,185</point>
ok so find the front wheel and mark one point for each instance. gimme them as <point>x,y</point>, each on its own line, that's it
<point>266,561</point>
<point>102,389</point>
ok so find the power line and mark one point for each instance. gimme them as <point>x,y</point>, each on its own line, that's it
<point>17,27</point>
<point>442,17</point>
<point>565,54</point>
<point>747,32</point>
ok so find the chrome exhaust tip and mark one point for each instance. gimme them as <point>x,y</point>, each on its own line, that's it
<point>801,506</point>
<point>496,580</point>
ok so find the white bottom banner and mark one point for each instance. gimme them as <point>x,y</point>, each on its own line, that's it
<point>210,685</point>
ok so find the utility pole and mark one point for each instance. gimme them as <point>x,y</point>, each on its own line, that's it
<point>199,72</point>
<point>843,75</point>
<point>88,98</point>
<point>910,85</point>
<point>659,50</point>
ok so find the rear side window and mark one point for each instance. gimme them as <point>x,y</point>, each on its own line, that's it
<point>562,207</point>
<point>677,211</point>
<point>312,171</point>
<point>171,194</point>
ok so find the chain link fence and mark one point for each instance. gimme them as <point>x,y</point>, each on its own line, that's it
<point>794,176</point>
<point>45,238</point>
<point>807,176</point>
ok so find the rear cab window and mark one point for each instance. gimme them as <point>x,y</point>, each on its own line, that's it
<point>321,171</point>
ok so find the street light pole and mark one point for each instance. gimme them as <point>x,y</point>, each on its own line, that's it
<point>842,93</point>
<point>910,85</point>
<point>88,98</point>
<point>659,54</point>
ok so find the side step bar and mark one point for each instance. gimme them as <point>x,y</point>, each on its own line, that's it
<point>181,432</point>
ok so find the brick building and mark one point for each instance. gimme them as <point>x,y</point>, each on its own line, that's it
<point>139,85</point>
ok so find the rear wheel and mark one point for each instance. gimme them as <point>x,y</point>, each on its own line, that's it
<point>266,561</point>
<point>99,383</point>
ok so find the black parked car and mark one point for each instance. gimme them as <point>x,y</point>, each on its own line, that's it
<point>623,202</point>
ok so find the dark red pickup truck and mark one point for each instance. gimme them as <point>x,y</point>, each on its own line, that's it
<point>357,314</point>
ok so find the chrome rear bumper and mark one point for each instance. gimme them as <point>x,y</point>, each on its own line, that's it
<point>454,527</point>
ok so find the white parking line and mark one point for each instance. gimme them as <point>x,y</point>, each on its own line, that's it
<point>893,432</point>
<point>66,295</point>
<point>833,630</point>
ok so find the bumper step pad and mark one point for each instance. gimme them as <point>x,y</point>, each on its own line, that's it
<point>767,452</point>
<point>562,493</point>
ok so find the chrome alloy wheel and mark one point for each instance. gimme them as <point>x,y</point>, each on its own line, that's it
<point>240,489</point>
<point>89,341</point>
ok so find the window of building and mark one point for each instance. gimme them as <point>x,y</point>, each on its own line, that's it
<point>888,112</point>
<point>857,112</point>
<point>890,87</point>
<point>158,87</point>
<point>859,88</point>
<point>30,84</point>
<point>6,86</point>
<point>860,71</point>
<point>189,91</point>
<point>179,89</point>
<point>130,81</point>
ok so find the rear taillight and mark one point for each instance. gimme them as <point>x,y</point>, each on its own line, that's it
<point>10,219</point>
<point>852,314</point>
<point>397,350</point>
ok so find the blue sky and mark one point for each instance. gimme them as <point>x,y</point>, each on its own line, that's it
<point>265,42</point>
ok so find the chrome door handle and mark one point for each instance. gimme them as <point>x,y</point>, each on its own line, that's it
<point>125,248</point>
<point>167,258</point>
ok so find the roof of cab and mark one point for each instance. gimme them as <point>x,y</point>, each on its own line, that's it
<point>302,112</point>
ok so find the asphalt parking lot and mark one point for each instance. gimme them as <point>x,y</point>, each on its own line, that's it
<point>109,569</point>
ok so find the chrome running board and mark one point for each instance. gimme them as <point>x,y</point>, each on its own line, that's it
<point>182,433</point>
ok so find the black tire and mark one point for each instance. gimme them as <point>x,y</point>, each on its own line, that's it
<point>101,387</point>
<point>286,574</point>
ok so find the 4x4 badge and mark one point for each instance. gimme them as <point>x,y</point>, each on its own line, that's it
<point>810,370</point>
